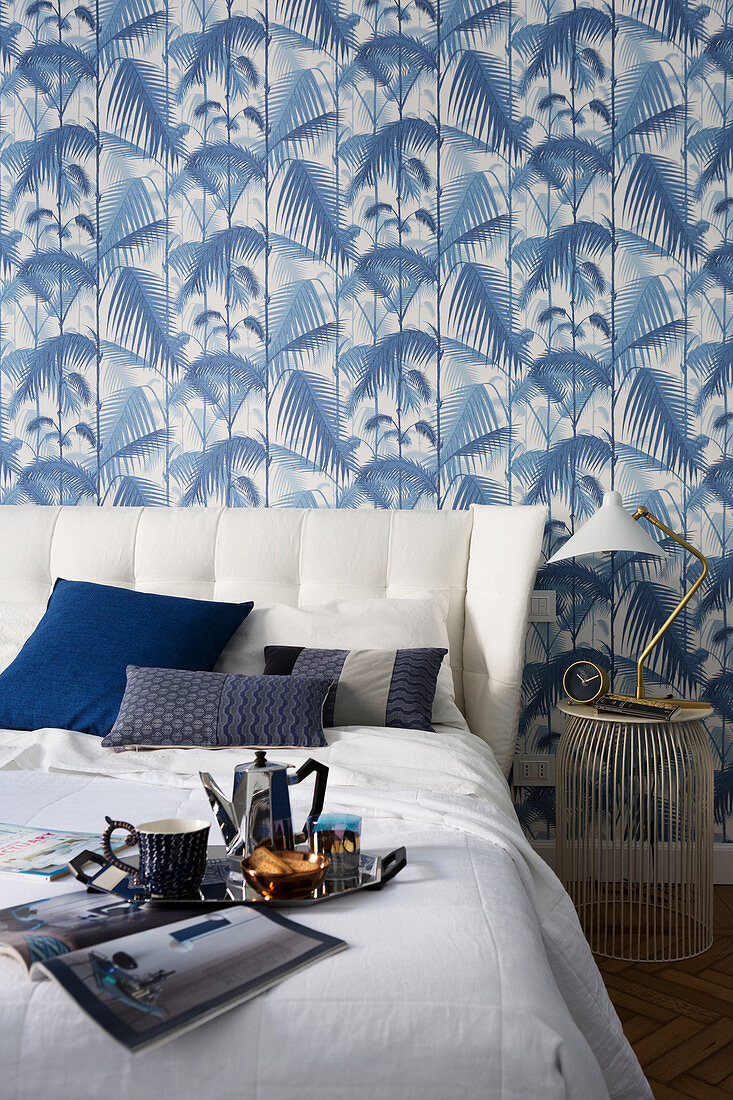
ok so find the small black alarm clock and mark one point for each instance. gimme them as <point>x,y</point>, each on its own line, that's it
<point>585,682</point>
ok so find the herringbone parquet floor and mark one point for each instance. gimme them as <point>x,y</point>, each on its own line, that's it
<point>679,1016</point>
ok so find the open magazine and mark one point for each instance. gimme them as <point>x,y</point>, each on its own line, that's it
<point>148,973</point>
<point>28,850</point>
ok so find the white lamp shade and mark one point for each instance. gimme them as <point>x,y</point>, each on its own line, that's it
<point>610,528</point>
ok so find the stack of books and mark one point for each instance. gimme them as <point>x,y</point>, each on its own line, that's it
<point>631,707</point>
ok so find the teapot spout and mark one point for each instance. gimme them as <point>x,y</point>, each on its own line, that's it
<point>222,807</point>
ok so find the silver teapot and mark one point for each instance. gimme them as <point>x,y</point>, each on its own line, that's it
<point>259,809</point>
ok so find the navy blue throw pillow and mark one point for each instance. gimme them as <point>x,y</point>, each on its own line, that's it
<point>166,707</point>
<point>71,673</point>
<point>371,687</point>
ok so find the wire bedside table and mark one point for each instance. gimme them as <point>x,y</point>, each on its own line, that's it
<point>635,832</point>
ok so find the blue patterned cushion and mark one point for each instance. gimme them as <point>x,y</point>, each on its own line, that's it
<point>371,687</point>
<point>165,706</point>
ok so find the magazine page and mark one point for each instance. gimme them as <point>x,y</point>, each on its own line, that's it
<point>31,851</point>
<point>44,929</point>
<point>149,987</point>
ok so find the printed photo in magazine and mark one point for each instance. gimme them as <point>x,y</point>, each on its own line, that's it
<point>40,930</point>
<point>153,985</point>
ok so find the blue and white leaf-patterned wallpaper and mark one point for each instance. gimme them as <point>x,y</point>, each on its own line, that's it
<point>367,254</point>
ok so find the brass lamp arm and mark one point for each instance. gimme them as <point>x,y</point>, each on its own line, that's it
<point>644,513</point>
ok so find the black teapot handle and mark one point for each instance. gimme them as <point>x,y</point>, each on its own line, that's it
<point>319,790</point>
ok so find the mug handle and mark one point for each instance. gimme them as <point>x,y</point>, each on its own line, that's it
<point>109,854</point>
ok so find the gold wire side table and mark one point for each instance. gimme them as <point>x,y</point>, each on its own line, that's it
<point>635,832</point>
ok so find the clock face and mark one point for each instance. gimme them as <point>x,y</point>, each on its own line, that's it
<point>585,682</point>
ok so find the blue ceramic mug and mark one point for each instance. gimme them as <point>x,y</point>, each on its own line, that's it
<point>172,855</point>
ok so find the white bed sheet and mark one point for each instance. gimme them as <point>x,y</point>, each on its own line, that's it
<point>469,976</point>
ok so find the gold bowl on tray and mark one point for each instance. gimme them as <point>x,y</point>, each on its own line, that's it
<point>301,874</point>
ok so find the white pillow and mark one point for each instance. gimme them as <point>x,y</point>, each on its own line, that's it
<point>17,623</point>
<point>349,624</point>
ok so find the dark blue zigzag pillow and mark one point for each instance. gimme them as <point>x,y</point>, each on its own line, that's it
<point>166,707</point>
<point>70,674</point>
<point>371,687</point>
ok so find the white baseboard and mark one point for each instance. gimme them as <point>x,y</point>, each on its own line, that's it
<point>722,859</point>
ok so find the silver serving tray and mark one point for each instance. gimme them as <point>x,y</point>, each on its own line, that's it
<point>224,885</point>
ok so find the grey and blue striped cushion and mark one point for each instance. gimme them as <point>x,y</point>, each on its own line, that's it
<point>169,707</point>
<point>371,687</point>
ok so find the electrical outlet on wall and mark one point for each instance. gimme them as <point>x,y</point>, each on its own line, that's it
<point>534,770</point>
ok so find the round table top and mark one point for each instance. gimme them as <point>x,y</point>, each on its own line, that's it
<point>581,711</point>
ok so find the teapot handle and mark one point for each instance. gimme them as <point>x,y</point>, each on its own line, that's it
<point>319,790</point>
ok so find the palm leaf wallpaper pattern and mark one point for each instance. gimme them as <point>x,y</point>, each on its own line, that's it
<point>353,253</point>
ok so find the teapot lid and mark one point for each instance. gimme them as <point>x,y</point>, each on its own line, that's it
<point>260,763</point>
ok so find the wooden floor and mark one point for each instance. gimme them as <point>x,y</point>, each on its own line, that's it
<point>679,1016</point>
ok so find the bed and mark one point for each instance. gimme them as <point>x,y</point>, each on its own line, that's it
<point>469,975</point>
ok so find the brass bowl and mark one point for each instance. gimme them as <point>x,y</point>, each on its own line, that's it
<point>295,884</point>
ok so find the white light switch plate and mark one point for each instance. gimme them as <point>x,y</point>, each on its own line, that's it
<point>542,607</point>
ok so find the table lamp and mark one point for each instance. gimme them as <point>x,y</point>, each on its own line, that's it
<point>613,528</point>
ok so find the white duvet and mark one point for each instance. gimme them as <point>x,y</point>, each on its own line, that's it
<point>467,977</point>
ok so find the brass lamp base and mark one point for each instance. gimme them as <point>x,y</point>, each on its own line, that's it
<point>645,706</point>
<point>689,704</point>
<point>669,700</point>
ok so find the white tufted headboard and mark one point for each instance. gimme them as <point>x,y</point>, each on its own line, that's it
<point>486,559</point>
